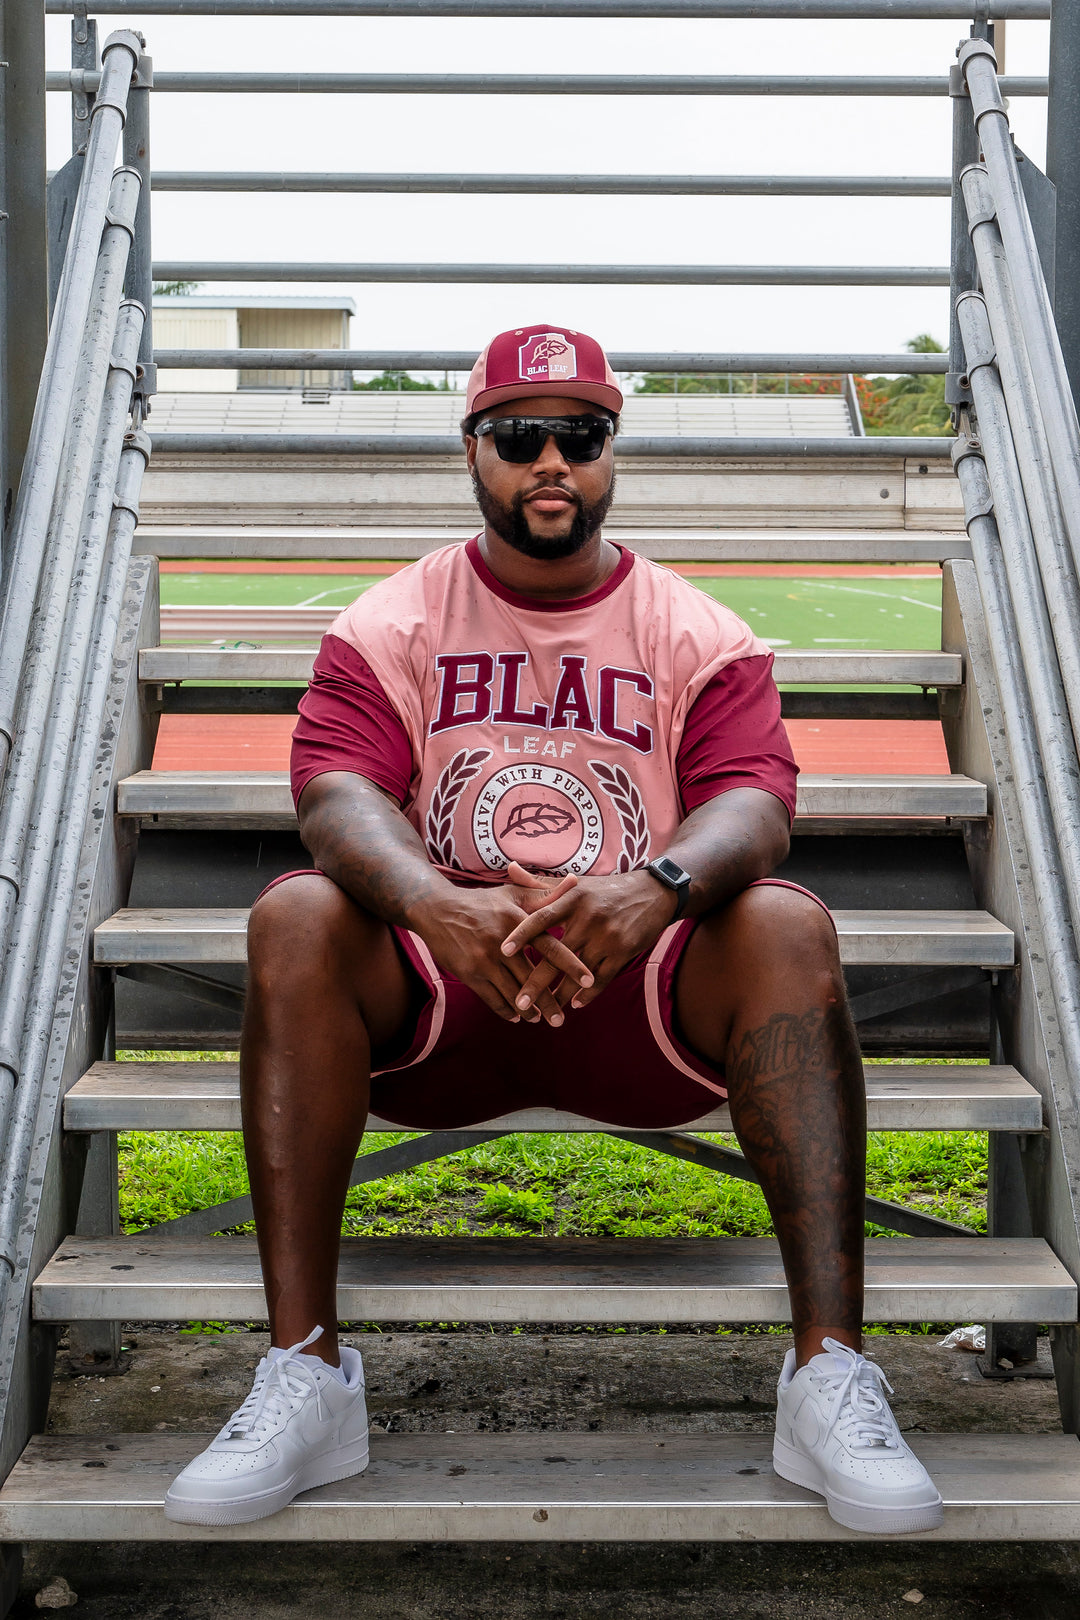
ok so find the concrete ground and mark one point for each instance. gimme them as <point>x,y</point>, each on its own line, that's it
<point>468,1381</point>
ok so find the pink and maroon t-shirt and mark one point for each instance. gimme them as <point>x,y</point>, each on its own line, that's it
<point>572,736</point>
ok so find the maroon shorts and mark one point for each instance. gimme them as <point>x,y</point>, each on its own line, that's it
<point>618,1059</point>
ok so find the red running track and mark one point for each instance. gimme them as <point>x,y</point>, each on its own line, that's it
<point>260,742</point>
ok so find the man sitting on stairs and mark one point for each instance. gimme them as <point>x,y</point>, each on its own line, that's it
<point>544,783</point>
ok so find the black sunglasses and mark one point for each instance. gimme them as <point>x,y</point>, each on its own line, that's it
<point>520,439</point>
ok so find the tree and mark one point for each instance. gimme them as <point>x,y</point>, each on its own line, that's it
<point>169,289</point>
<point>907,405</point>
<point>401,382</point>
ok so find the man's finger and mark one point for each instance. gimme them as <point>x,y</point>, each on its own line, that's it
<point>562,958</point>
<point>550,915</point>
<point>537,1002</point>
<point>538,984</point>
<point>524,879</point>
<point>572,996</point>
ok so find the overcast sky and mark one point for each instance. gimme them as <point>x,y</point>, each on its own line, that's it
<point>570,135</point>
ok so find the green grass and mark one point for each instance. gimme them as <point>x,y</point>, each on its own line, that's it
<point>570,1186</point>
<point>838,612</point>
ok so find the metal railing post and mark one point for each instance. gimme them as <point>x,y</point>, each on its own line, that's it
<point>1053,729</point>
<point>1063,168</point>
<point>24,310</point>
<point>45,449</point>
<point>1029,286</point>
<point>1029,436</point>
<point>84,59</point>
<point>43,886</point>
<point>29,1105</point>
<point>139,283</point>
<point>44,660</point>
<point>965,151</point>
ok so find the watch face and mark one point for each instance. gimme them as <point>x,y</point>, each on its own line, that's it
<point>668,871</point>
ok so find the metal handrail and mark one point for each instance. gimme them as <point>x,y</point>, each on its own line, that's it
<point>1016,458</point>
<point>438,444</point>
<point>45,451</point>
<point>76,517</point>
<point>608,275</point>
<point>1035,310</point>
<point>33,773</point>
<point>86,80</point>
<point>775,10</point>
<point>626,361</point>
<point>558,185</point>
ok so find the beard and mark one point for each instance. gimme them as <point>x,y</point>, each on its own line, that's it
<point>511,522</point>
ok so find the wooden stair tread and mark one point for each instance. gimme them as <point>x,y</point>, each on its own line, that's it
<point>802,666</point>
<point>192,1096</point>
<point>867,938</point>
<point>392,1279</point>
<point>545,1487</point>
<point>225,794</point>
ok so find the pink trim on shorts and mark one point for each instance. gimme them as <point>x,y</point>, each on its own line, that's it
<point>433,1011</point>
<point>659,974</point>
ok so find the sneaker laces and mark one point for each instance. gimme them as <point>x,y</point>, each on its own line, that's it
<point>863,1416</point>
<point>276,1387</point>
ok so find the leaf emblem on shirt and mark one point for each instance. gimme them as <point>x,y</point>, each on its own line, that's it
<point>622,790</point>
<point>454,779</point>
<point>538,820</point>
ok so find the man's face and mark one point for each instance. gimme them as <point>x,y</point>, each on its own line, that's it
<point>550,507</point>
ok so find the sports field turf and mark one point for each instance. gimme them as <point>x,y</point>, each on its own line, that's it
<point>842,611</point>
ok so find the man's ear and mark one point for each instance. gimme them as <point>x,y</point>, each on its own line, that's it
<point>472,444</point>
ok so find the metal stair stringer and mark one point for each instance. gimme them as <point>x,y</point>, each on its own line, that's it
<point>55,1185</point>
<point>1024,1008</point>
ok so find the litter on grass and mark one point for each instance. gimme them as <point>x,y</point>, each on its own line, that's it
<point>966,1338</point>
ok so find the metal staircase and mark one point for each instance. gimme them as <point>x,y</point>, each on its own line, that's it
<point>954,898</point>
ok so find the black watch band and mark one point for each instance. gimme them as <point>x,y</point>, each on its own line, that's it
<point>672,876</point>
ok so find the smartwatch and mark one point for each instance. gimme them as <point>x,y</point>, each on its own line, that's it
<point>672,876</point>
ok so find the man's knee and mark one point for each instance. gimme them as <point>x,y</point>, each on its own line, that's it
<point>299,923</point>
<point>784,929</point>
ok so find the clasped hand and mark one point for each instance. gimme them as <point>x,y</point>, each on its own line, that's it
<point>538,944</point>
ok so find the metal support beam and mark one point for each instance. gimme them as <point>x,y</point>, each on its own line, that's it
<point>575,275</point>
<point>560,185</point>
<point>368,1167</point>
<point>139,283</point>
<point>965,151</point>
<point>1063,168</point>
<point>827,365</point>
<point>84,58</point>
<point>726,1162</point>
<point>446,444</point>
<point>913,992</point>
<point>185,982</point>
<point>94,1347</point>
<point>779,10</point>
<point>545,84</point>
<point>23,270</point>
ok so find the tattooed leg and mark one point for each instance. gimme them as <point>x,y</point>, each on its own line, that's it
<point>325,985</point>
<point>760,990</point>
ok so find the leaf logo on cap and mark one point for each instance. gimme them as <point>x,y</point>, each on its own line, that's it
<point>547,357</point>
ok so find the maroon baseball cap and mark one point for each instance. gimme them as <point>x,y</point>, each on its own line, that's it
<point>542,360</point>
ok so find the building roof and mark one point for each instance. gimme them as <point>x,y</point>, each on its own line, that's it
<point>243,301</point>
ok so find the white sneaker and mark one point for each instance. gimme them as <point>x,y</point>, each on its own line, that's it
<point>301,1426</point>
<point>836,1435</point>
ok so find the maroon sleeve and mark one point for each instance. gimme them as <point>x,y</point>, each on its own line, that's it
<point>347,723</point>
<point>734,737</point>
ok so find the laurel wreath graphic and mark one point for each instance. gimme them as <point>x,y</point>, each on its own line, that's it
<point>622,791</point>
<point>455,778</point>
